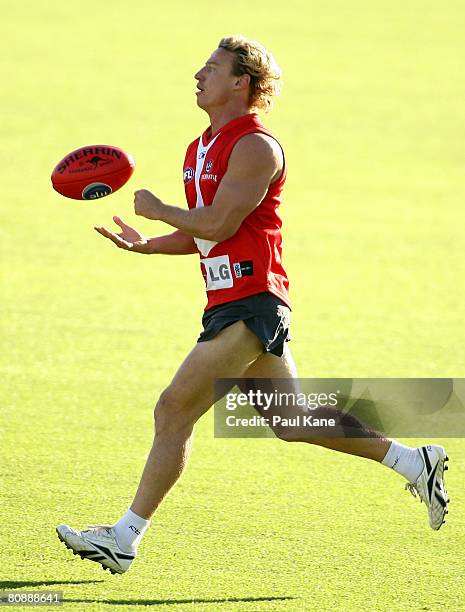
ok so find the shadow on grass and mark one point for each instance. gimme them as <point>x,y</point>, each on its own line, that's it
<point>18,584</point>
<point>160,602</point>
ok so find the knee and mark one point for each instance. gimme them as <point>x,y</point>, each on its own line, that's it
<point>169,413</point>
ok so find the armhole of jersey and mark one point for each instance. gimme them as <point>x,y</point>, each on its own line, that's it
<point>282,174</point>
<point>227,152</point>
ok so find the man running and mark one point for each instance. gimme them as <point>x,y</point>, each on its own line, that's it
<point>234,174</point>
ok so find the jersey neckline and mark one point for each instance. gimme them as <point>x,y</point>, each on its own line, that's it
<point>252,118</point>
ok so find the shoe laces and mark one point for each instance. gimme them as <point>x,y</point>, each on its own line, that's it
<point>98,529</point>
<point>410,486</point>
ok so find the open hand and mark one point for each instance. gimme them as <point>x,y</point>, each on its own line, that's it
<point>129,239</point>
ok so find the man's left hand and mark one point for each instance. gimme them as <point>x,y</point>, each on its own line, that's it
<point>147,205</point>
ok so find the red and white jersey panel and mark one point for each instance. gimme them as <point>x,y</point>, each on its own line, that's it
<point>250,261</point>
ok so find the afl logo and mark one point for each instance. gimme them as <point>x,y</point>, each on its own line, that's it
<point>209,165</point>
<point>188,174</point>
<point>96,190</point>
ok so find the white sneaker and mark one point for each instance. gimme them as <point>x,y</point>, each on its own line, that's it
<point>97,544</point>
<point>430,484</point>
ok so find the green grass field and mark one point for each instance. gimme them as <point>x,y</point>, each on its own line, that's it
<point>372,121</point>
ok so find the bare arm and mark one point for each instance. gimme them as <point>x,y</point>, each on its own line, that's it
<point>177,243</point>
<point>255,162</point>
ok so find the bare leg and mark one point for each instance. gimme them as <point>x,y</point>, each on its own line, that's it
<point>190,395</point>
<point>370,444</point>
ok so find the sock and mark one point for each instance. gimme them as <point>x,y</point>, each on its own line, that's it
<point>404,460</point>
<point>129,531</point>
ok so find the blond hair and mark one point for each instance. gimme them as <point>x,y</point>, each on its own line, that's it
<point>251,57</point>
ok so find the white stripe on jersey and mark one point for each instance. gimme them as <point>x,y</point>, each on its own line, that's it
<point>204,246</point>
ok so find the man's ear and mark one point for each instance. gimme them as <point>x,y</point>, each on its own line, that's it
<point>242,81</point>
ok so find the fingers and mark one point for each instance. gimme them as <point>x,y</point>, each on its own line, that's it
<point>120,222</point>
<point>120,242</point>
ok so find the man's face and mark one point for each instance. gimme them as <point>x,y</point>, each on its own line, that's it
<point>215,81</point>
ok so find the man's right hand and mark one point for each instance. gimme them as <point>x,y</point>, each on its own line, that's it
<point>129,239</point>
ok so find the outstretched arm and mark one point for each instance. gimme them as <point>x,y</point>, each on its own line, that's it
<point>255,162</point>
<point>129,239</point>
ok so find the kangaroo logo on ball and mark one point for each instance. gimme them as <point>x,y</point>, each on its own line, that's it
<point>95,161</point>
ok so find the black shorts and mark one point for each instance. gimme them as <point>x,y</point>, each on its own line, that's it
<point>265,315</point>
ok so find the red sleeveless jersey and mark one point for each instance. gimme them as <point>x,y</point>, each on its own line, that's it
<point>248,262</point>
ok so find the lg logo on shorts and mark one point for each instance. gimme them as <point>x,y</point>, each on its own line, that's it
<point>217,272</point>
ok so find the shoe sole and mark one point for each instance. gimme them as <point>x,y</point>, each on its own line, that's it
<point>76,552</point>
<point>445,467</point>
